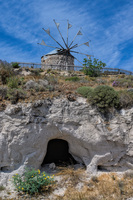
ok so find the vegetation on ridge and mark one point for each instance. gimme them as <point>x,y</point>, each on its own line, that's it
<point>28,85</point>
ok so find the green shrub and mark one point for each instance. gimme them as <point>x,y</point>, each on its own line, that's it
<point>5,71</point>
<point>13,82</point>
<point>49,70</point>
<point>4,74</point>
<point>84,91</point>
<point>2,188</point>
<point>33,181</point>
<point>41,70</point>
<point>15,65</point>
<point>123,82</point>
<point>15,94</point>
<point>74,79</point>
<point>36,72</point>
<point>126,98</point>
<point>52,79</point>
<point>129,77</point>
<point>104,97</point>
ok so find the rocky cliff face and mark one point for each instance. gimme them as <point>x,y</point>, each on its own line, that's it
<point>26,129</point>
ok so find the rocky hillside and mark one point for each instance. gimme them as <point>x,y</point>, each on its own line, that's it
<point>94,116</point>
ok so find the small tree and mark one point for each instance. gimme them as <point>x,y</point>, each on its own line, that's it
<point>15,65</point>
<point>92,68</point>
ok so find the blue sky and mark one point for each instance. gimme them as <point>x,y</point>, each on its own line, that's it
<point>107,23</point>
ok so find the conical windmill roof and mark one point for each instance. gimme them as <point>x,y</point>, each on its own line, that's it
<point>55,51</point>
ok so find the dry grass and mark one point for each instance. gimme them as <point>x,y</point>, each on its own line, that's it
<point>70,177</point>
<point>105,187</point>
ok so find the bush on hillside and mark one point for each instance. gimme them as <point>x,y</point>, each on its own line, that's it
<point>36,72</point>
<point>74,79</point>
<point>84,91</point>
<point>53,80</point>
<point>5,71</point>
<point>15,94</point>
<point>13,82</point>
<point>4,75</point>
<point>33,181</point>
<point>126,98</point>
<point>123,82</point>
<point>104,97</point>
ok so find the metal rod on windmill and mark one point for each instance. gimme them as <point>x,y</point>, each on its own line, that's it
<point>82,53</point>
<point>48,32</point>
<point>68,27</point>
<point>76,45</point>
<point>57,25</point>
<point>78,60</point>
<point>43,43</point>
<point>78,33</point>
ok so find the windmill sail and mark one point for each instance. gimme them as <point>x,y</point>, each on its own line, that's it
<point>69,26</point>
<point>76,45</point>
<point>48,32</point>
<point>78,33</point>
<point>43,43</point>
<point>57,25</point>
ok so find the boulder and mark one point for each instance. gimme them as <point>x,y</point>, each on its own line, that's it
<point>42,83</point>
<point>31,85</point>
<point>130,90</point>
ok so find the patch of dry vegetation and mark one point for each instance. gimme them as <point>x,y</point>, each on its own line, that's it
<point>79,186</point>
<point>60,83</point>
<point>107,186</point>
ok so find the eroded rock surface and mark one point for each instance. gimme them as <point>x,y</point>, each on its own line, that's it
<point>26,129</point>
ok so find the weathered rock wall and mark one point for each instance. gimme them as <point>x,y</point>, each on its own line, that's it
<point>58,62</point>
<point>26,129</point>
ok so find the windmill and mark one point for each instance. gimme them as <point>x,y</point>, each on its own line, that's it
<point>63,55</point>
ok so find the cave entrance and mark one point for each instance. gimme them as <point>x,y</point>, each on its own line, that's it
<point>58,153</point>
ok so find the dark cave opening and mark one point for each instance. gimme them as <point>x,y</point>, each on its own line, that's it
<point>102,168</point>
<point>58,153</point>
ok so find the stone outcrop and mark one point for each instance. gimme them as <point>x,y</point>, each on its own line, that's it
<point>36,85</point>
<point>26,129</point>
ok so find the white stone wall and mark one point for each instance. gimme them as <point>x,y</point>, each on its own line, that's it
<point>60,62</point>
